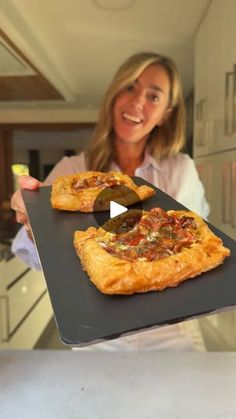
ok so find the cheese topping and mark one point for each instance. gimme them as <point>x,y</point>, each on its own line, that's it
<point>100,182</point>
<point>155,236</point>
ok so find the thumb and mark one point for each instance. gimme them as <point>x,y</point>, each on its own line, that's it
<point>28,182</point>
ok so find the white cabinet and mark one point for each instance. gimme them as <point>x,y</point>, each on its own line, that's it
<point>215,122</point>
<point>215,80</point>
<point>218,174</point>
<point>22,296</point>
<point>201,95</point>
<point>220,330</point>
<point>25,308</point>
<point>214,145</point>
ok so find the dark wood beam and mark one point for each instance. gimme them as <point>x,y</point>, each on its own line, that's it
<point>6,176</point>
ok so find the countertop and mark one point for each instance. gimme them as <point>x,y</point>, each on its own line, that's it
<point>98,385</point>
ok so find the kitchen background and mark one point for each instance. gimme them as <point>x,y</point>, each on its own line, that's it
<point>56,59</point>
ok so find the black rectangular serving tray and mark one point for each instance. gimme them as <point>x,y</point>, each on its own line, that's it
<point>83,314</point>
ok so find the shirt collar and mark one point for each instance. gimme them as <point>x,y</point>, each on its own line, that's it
<point>149,160</point>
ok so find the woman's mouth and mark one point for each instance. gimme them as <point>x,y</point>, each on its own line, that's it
<point>132,119</point>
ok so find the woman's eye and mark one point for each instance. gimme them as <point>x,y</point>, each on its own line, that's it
<point>153,97</point>
<point>130,87</point>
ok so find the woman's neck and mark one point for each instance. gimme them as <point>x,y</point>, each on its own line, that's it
<point>129,156</point>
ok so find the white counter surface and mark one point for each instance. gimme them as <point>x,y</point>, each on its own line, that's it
<point>97,385</point>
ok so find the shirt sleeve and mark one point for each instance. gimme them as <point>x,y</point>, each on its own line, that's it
<point>22,246</point>
<point>190,191</point>
<point>67,166</point>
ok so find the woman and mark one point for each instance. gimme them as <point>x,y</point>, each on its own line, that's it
<point>140,132</point>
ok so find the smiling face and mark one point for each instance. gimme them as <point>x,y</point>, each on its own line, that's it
<point>142,105</point>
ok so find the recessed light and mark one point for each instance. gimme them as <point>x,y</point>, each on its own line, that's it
<point>114,5</point>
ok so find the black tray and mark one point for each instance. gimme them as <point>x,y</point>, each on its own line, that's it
<point>83,314</point>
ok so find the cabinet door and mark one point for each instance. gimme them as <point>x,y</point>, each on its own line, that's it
<point>221,328</point>
<point>218,175</point>
<point>209,176</point>
<point>215,80</point>
<point>3,309</point>
<point>228,76</point>
<point>205,169</point>
<point>23,297</point>
<point>25,308</point>
<point>201,93</point>
<point>215,76</point>
<point>4,327</point>
<point>227,169</point>
<point>14,268</point>
<point>30,331</point>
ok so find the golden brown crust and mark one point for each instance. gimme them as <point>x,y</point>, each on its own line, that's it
<point>113,275</point>
<point>65,197</point>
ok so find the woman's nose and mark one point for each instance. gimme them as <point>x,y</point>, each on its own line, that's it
<point>138,101</point>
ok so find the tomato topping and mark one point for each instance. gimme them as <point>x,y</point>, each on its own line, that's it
<point>96,182</point>
<point>157,235</point>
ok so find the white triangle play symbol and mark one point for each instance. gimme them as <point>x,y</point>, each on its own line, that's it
<point>116,209</point>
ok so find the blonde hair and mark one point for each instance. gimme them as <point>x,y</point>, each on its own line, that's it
<point>165,140</point>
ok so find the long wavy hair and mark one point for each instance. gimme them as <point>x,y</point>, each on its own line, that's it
<point>164,141</point>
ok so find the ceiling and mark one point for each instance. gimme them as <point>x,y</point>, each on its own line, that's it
<point>61,54</point>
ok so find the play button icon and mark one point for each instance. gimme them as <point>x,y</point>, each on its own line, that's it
<point>117,200</point>
<point>116,209</point>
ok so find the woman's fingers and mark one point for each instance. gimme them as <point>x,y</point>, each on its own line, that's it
<point>17,202</point>
<point>21,217</point>
<point>28,182</point>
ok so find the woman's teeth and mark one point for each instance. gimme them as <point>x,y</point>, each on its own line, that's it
<point>132,118</point>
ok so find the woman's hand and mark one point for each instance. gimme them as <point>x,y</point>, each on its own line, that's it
<point>17,203</point>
